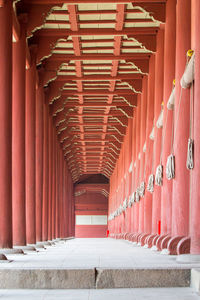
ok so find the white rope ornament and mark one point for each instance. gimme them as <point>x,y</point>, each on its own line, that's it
<point>190,150</point>
<point>129,202</point>
<point>170,167</point>
<point>159,175</point>
<point>150,185</point>
<point>142,189</point>
<point>137,195</point>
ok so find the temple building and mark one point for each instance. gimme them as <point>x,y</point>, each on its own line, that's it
<point>100,146</point>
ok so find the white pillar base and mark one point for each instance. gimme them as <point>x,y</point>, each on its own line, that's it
<point>188,258</point>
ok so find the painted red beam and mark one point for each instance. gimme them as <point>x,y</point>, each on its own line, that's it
<point>63,22</point>
<point>99,71</point>
<point>113,132</point>
<point>135,76</point>
<point>95,12</point>
<point>98,124</point>
<point>97,92</point>
<point>95,48</point>
<point>111,114</point>
<point>96,105</point>
<point>90,1</point>
<point>151,30</point>
<point>100,56</point>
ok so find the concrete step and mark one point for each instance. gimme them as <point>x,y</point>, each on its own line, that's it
<point>195,279</point>
<point>108,294</point>
<point>99,278</point>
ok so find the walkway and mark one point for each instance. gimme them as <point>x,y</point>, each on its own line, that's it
<point>94,253</point>
<point>95,269</point>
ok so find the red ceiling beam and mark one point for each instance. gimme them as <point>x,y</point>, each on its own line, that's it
<point>91,1</point>
<point>100,56</point>
<point>98,31</point>
<point>98,124</point>
<point>97,105</point>
<point>135,76</point>
<point>97,92</point>
<point>83,22</point>
<point>99,11</point>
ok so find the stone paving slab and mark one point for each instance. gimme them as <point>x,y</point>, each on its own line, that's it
<point>90,263</point>
<point>94,253</point>
<point>109,294</point>
<point>47,279</point>
<point>142,278</point>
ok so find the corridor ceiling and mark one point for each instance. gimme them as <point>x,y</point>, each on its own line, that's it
<point>92,57</point>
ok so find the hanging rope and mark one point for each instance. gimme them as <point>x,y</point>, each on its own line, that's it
<point>170,166</point>
<point>142,184</point>
<point>190,152</point>
<point>150,185</point>
<point>159,169</point>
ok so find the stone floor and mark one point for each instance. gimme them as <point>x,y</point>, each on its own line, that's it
<point>112,294</point>
<point>93,254</point>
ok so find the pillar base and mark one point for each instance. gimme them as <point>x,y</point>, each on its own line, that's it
<point>37,247</point>
<point>173,244</point>
<point>25,248</point>
<point>45,243</point>
<point>154,248</point>
<point>165,251</point>
<point>188,258</point>
<point>3,258</point>
<point>11,251</point>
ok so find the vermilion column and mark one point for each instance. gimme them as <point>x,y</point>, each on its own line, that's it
<point>54,187</point>
<point>6,125</point>
<point>137,170</point>
<point>130,173</point>
<point>45,173</point>
<point>149,146</point>
<point>39,160</point>
<point>18,141</point>
<point>180,198</point>
<point>57,192</point>
<point>142,141</point>
<point>50,179</point>
<point>30,153</point>
<point>159,62</point>
<point>195,192</point>
<point>169,76</point>
<point>61,192</point>
<point>133,172</point>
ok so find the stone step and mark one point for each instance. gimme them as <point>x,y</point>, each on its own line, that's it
<point>108,294</point>
<point>96,278</point>
<point>195,279</point>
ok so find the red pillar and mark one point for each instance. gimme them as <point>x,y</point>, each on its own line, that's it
<point>30,152</point>
<point>45,173</point>
<point>180,198</point>
<point>133,172</point>
<point>195,191</point>
<point>39,160</point>
<point>159,64</point>
<point>61,192</point>
<point>54,186</point>
<point>149,148</point>
<point>142,142</point>
<point>50,179</point>
<point>169,75</point>
<point>57,192</point>
<point>6,125</point>
<point>137,160</point>
<point>18,141</point>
